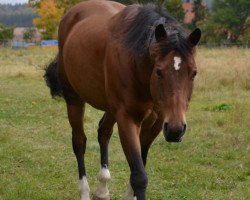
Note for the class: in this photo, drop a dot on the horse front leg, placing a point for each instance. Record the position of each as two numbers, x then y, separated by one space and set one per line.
150 130
104 133
75 115
129 135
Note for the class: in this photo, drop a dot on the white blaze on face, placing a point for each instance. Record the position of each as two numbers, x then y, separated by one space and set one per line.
177 63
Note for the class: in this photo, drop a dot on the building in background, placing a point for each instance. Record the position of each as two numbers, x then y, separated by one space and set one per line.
189 14
188 9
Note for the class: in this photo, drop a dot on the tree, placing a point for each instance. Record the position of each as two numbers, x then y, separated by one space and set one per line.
29 34
200 13
174 7
66 4
50 16
246 37
157 2
34 3
126 2
6 33
231 18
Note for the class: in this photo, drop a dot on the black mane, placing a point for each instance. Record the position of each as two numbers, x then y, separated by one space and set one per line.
140 32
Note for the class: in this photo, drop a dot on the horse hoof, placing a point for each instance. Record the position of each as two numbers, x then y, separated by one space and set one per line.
99 198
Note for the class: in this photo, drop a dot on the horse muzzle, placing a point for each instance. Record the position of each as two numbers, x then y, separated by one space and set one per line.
174 133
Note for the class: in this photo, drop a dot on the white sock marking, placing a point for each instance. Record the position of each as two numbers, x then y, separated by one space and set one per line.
104 175
84 188
177 62
129 194
102 190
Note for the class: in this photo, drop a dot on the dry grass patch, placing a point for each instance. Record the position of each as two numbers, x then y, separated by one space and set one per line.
219 68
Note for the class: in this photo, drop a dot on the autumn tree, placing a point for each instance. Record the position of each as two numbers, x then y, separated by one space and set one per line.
50 16
66 4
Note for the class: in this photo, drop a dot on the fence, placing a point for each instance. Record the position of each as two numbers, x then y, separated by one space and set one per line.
5 43
227 45
14 44
24 44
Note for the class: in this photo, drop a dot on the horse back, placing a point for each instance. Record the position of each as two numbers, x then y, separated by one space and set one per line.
82 39
82 11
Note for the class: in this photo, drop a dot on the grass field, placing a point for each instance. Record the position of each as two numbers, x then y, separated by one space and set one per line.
212 163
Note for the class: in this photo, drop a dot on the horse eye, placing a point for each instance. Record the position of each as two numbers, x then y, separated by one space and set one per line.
194 75
159 73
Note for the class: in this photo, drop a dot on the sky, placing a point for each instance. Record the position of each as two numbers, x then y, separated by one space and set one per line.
13 1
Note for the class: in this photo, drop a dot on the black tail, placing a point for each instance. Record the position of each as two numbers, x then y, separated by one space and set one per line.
52 80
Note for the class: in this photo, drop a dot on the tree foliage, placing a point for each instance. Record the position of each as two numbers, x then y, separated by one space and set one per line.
6 33
50 16
29 34
174 7
229 22
66 4
201 12
126 2
231 16
157 2
50 13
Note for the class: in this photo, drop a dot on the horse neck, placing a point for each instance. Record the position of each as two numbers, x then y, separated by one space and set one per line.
144 68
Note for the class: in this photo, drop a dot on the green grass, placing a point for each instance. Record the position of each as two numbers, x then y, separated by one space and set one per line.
213 161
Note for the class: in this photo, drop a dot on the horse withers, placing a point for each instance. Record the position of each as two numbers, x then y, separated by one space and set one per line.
135 63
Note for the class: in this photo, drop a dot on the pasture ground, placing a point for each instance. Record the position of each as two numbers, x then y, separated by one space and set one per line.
212 163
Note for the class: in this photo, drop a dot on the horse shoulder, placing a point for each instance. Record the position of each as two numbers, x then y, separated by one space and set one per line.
122 87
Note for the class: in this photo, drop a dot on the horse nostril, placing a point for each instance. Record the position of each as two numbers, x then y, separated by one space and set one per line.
184 128
165 127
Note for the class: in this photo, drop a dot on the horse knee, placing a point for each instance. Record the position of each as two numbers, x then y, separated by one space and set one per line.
79 142
139 181
104 135
105 129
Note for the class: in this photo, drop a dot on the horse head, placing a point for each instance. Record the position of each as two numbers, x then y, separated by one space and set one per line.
172 79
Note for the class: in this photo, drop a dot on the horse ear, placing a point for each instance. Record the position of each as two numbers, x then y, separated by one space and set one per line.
195 37
160 33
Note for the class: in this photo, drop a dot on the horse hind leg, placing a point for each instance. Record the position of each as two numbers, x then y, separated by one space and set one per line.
104 133
75 116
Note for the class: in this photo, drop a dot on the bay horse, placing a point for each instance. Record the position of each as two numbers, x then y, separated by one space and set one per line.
136 63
